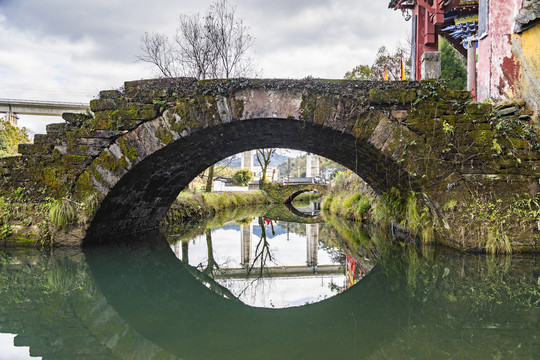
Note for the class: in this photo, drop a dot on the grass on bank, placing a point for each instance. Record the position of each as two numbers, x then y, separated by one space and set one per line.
193 206
483 224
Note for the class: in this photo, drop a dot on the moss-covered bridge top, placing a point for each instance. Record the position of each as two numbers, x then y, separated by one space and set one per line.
144 143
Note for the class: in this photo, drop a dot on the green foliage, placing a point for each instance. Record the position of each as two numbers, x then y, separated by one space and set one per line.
447 128
195 206
413 220
10 138
5 231
497 147
453 68
391 207
159 104
497 242
490 220
62 213
511 127
384 60
348 198
19 194
360 72
5 210
242 177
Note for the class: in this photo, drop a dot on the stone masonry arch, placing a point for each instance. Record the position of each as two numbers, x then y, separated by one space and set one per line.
140 198
143 145
141 173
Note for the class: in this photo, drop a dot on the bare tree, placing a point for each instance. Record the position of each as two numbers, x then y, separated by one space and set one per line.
264 156
229 39
158 50
214 45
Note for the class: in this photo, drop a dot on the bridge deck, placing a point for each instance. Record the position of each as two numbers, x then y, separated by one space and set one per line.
283 271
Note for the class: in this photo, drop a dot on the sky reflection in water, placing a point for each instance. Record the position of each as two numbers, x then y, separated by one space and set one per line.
292 247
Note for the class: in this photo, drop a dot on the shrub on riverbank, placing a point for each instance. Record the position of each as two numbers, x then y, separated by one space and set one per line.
483 225
349 197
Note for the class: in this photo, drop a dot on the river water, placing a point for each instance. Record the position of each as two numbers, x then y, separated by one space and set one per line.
267 283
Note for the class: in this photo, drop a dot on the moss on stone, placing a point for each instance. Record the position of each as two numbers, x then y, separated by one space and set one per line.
164 135
185 108
109 162
127 149
324 109
125 117
391 96
483 138
481 109
238 108
102 104
83 186
308 106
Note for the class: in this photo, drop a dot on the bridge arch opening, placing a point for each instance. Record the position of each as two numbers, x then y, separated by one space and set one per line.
291 198
142 196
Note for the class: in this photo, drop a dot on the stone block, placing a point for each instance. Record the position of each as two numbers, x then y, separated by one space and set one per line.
110 94
107 133
508 111
58 128
97 142
392 96
431 65
509 103
102 104
46 138
76 119
34 149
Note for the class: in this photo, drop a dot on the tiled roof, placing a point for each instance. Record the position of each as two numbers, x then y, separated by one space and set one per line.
393 3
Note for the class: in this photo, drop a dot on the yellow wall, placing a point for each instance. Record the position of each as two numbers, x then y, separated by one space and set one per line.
526 48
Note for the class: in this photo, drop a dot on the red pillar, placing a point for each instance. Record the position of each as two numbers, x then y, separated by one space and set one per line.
426 36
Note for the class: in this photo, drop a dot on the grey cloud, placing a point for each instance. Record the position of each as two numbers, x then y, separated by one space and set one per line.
278 25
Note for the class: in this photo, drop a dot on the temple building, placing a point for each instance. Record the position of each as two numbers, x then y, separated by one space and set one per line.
500 38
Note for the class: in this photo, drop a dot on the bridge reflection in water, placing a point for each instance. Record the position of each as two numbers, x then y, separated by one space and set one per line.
138 301
266 263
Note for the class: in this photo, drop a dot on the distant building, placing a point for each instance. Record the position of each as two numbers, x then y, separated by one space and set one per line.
225 183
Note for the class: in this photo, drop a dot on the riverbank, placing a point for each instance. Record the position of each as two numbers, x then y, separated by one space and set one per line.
193 206
42 221
48 222
485 225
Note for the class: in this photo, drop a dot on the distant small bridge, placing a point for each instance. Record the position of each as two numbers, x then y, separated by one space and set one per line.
285 194
36 107
14 107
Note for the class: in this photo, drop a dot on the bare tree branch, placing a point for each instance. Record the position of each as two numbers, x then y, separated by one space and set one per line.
212 46
264 156
157 50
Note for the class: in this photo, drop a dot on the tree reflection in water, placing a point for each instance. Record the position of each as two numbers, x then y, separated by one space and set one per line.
272 270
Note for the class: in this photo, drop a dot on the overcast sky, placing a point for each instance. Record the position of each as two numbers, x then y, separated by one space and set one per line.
69 50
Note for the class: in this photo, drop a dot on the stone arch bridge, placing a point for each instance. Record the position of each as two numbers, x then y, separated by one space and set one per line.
143 144
285 194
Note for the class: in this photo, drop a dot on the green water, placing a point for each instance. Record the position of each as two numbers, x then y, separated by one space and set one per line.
140 301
